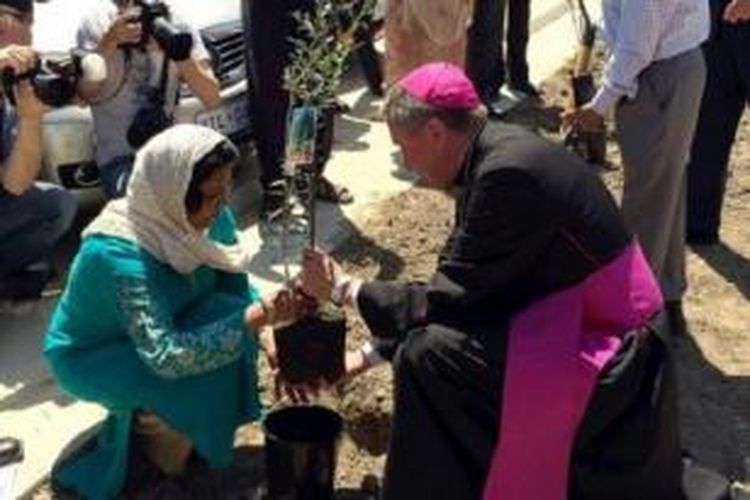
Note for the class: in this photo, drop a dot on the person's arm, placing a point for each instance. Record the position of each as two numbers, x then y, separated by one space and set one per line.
25 161
638 36
737 11
196 70
507 225
200 78
171 351
486 270
122 30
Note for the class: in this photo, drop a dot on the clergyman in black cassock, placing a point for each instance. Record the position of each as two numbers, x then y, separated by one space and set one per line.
531 223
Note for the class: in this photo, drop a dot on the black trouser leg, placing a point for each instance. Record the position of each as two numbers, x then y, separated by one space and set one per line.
485 48
371 67
268 26
445 415
727 90
519 16
370 63
628 444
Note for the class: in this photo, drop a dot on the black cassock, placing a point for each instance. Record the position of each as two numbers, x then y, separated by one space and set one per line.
531 220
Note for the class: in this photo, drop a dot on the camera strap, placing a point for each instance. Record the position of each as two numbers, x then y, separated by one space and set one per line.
161 90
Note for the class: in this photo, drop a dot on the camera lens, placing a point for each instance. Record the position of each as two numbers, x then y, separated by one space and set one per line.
175 43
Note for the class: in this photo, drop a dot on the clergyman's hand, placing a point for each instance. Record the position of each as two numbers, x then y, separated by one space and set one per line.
355 364
737 11
318 274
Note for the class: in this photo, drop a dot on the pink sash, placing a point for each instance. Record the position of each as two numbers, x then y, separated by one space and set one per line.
556 351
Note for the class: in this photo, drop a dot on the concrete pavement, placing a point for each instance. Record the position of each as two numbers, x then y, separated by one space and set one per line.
34 410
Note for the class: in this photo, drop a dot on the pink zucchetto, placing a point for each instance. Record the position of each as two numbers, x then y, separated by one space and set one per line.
441 85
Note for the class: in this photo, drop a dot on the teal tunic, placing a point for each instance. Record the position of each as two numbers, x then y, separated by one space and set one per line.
130 333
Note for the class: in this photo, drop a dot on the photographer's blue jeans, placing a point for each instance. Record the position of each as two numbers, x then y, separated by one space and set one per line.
31 224
115 175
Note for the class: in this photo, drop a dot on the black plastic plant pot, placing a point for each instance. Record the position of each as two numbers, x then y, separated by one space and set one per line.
301 451
312 348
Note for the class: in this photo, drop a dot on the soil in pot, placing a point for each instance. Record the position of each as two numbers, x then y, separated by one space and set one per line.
312 348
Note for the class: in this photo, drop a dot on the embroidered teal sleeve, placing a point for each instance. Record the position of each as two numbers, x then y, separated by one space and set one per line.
170 351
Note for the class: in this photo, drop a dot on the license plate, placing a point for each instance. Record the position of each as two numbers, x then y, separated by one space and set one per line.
229 118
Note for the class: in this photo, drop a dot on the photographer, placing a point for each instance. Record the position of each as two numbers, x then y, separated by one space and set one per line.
143 82
33 215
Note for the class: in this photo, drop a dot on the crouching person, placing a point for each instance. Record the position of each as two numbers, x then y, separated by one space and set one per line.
33 215
158 323
526 368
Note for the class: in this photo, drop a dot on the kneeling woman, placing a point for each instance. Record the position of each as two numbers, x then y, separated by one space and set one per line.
158 322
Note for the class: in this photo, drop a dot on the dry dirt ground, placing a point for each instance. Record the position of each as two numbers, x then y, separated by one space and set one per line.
400 240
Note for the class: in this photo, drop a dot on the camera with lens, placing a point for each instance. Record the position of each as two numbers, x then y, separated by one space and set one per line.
155 20
55 79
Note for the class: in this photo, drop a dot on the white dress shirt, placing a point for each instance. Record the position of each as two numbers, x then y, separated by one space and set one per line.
640 32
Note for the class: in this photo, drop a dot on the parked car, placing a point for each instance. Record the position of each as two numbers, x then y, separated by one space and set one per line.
68 141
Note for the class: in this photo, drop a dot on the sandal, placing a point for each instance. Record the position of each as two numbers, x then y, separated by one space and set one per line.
334 193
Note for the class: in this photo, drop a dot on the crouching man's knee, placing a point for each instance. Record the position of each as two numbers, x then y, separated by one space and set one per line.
425 350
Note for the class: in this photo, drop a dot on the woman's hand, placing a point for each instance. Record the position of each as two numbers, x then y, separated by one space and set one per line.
289 305
283 306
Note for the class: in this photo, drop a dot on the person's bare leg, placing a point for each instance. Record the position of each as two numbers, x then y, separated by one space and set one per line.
168 449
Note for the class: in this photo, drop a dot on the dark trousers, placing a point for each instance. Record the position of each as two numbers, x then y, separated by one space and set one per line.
488 65
31 224
516 67
446 389
484 58
727 54
447 386
268 25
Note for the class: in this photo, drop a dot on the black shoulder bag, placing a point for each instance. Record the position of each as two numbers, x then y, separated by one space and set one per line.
151 119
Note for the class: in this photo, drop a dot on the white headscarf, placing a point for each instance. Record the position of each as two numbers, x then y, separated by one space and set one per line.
153 215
